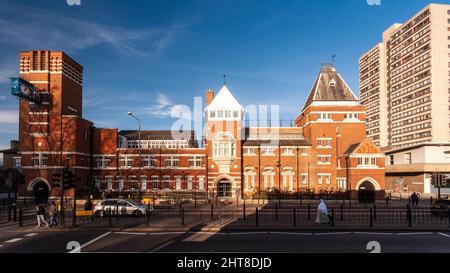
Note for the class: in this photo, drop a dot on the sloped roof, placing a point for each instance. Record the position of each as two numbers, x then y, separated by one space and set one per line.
224 100
330 86
365 146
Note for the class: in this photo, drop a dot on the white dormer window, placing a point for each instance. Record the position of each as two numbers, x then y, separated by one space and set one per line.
220 114
212 114
236 114
332 83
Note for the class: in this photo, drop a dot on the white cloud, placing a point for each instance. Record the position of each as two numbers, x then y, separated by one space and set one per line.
9 117
30 26
165 108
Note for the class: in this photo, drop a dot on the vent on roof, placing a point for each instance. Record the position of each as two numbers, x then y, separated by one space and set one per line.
333 83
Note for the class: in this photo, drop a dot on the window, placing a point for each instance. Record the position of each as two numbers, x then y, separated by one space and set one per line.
195 161
342 183
267 150
178 183
149 161
166 180
220 113
351 116
121 181
224 149
408 158
97 182
227 113
125 161
288 151
109 183
102 161
268 179
304 179
40 160
17 162
235 114
212 114
201 183
144 183
323 143
367 162
391 159
132 182
189 182
324 117
324 159
249 151
332 83
155 181
172 162
288 180
321 178
249 179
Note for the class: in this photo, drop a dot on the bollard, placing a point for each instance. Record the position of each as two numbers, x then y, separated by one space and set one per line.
409 216
448 217
276 212
110 218
20 218
374 212
309 212
294 217
15 214
182 217
212 211
257 216
342 213
371 217
332 217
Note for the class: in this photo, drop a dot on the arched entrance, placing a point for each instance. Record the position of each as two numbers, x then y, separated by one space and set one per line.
224 187
366 192
41 191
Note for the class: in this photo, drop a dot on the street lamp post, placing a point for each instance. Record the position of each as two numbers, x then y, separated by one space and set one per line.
139 152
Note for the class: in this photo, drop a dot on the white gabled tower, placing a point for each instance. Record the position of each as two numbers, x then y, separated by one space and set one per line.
223 143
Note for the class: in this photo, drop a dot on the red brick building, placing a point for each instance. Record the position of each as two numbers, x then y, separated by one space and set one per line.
326 150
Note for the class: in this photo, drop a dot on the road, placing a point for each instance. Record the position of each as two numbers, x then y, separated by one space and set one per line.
32 241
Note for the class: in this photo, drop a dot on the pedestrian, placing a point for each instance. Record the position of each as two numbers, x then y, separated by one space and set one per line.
40 212
52 214
322 213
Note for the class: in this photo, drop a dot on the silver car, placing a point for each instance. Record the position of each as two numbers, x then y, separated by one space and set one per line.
120 207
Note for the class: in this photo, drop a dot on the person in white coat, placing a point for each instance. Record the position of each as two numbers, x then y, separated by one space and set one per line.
322 213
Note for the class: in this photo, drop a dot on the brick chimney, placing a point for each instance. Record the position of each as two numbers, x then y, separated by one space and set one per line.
209 96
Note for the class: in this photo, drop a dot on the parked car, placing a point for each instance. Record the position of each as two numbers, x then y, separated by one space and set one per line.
440 207
121 207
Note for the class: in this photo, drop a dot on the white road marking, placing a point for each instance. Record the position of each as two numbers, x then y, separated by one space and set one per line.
130 233
332 233
207 232
415 233
289 233
373 233
443 234
14 240
165 233
161 246
245 233
90 242
30 234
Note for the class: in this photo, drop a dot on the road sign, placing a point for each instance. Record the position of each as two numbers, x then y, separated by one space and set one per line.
23 89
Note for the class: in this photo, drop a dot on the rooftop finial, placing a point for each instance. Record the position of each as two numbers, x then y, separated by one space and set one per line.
224 76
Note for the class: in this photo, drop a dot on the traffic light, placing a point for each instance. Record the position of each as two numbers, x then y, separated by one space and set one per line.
57 179
69 179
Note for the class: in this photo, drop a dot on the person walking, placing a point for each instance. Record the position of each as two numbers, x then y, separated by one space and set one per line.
40 212
52 214
322 213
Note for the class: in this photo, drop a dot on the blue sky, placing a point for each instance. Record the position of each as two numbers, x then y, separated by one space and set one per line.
150 56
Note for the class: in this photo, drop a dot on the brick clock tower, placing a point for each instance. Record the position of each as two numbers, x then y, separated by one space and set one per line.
223 143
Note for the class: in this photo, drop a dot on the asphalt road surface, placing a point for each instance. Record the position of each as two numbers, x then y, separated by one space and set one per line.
254 241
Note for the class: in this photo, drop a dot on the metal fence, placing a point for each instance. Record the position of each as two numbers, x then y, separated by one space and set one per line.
269 213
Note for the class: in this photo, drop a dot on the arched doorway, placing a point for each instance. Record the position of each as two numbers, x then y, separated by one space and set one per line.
366 192
41 191
224 187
